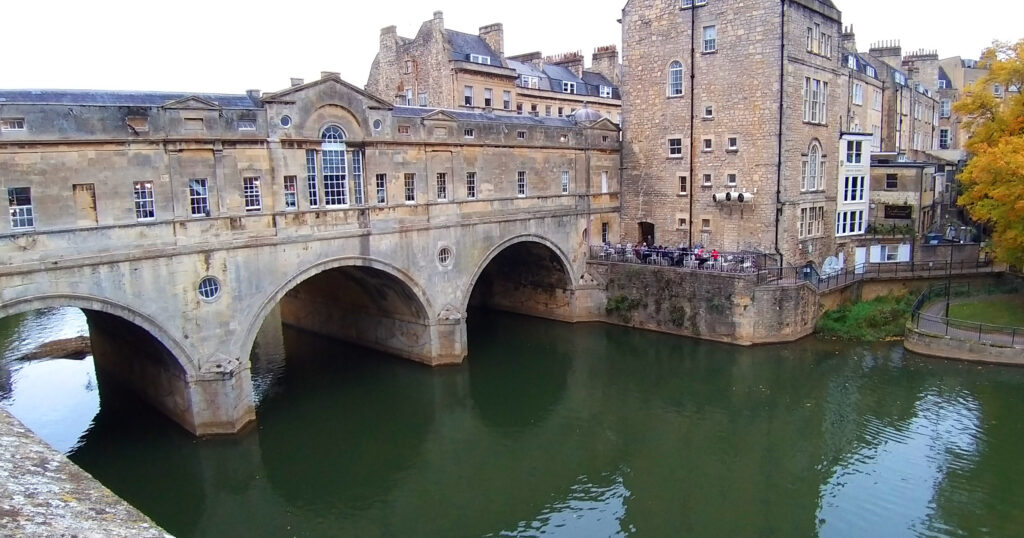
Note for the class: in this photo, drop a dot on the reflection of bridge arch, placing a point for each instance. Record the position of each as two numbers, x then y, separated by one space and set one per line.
516 254
384 290
88 303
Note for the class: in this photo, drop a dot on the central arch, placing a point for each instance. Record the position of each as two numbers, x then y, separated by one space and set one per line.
358 299
527 274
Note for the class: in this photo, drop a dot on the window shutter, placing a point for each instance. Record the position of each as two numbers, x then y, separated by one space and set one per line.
876 254
904 253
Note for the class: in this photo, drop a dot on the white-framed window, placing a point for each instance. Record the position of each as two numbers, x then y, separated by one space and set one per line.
357 177
683 185
811 221
561 112
815 100
311 178
547 110
709 112
675 147
851 62
423 99
382 189
890 253
145 202
198 198
521 183
604 91
291 192
854 151
408 97
730 179
710 39
707 144
442 187
568 87
900 78
858 93
942 84
529 81
19 199
706 180
520 135
813 167
853 188
876 103
892 182
506 97
471 185
675 78
404 130
480 59
944 108
335 166
468 133
943 138
870 71
850 222
488 97
565 181
410 188
12 124
246 125
733 144
251 194
467 96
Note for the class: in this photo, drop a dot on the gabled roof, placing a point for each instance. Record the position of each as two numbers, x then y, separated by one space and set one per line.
192 102
283 95
463 45
120 98
440 115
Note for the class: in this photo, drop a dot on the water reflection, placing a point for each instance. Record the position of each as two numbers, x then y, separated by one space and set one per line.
579 430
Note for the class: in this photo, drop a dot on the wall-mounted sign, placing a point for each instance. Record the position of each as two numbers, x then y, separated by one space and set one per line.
899 212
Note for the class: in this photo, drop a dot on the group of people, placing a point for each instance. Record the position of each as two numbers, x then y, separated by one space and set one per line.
666 254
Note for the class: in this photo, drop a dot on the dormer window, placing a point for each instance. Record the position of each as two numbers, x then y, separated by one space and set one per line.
12 124
568 87
851 62
606 92
529 81
870 71
942 84
480 59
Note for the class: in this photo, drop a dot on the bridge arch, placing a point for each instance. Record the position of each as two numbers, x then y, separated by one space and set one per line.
400 299
529 263
178 350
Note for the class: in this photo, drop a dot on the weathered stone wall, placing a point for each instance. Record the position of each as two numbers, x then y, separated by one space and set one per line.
966 350
702 304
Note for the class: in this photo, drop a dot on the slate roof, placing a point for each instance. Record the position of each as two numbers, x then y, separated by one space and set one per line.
118 98
945 76
465 44
862 64
483 117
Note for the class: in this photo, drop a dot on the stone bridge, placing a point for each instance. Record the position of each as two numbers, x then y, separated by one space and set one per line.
176 302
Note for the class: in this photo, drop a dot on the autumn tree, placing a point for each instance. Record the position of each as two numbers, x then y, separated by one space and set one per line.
993 180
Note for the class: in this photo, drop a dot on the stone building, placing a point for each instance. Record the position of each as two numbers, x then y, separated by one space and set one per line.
910 109
728 101
444 68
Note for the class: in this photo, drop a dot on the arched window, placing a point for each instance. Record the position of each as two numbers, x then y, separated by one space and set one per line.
335 176
813 169
675 78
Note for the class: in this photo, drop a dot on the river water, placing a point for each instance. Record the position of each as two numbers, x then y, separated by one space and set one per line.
551 429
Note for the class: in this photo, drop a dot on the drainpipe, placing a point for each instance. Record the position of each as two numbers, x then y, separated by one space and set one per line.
693 94
778 166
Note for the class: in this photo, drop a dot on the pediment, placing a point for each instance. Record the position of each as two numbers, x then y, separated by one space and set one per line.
604 124
192 102
440 115
293 94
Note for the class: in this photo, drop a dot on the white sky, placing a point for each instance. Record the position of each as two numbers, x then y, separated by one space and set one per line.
230 46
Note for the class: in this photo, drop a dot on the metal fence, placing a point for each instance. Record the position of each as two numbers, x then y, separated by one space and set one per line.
811 275
725 262
928 314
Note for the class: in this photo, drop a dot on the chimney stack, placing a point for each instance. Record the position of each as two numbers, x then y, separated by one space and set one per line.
297 82
573 61
325 74
254 95
494 36
606 61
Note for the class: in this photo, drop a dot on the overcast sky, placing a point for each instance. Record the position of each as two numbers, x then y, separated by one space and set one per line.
222 46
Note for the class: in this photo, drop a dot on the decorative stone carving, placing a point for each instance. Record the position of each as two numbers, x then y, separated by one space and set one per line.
450 313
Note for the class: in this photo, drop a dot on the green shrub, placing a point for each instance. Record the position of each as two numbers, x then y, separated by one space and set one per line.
878 319
622 306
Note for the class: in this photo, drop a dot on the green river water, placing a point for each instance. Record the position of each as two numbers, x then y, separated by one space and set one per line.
552 429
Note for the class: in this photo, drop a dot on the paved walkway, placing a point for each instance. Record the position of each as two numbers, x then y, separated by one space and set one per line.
938 326
43 494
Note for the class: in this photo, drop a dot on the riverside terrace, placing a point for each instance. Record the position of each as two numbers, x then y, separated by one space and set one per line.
704 259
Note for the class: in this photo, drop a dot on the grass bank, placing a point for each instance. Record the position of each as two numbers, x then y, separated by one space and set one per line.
998 310
868 321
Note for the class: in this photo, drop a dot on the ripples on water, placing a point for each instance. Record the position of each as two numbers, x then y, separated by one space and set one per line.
558 430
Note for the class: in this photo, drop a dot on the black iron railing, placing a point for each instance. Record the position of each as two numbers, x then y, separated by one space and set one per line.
706 260
930 308
824 281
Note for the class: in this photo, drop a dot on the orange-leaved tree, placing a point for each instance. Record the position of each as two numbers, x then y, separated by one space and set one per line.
993 180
